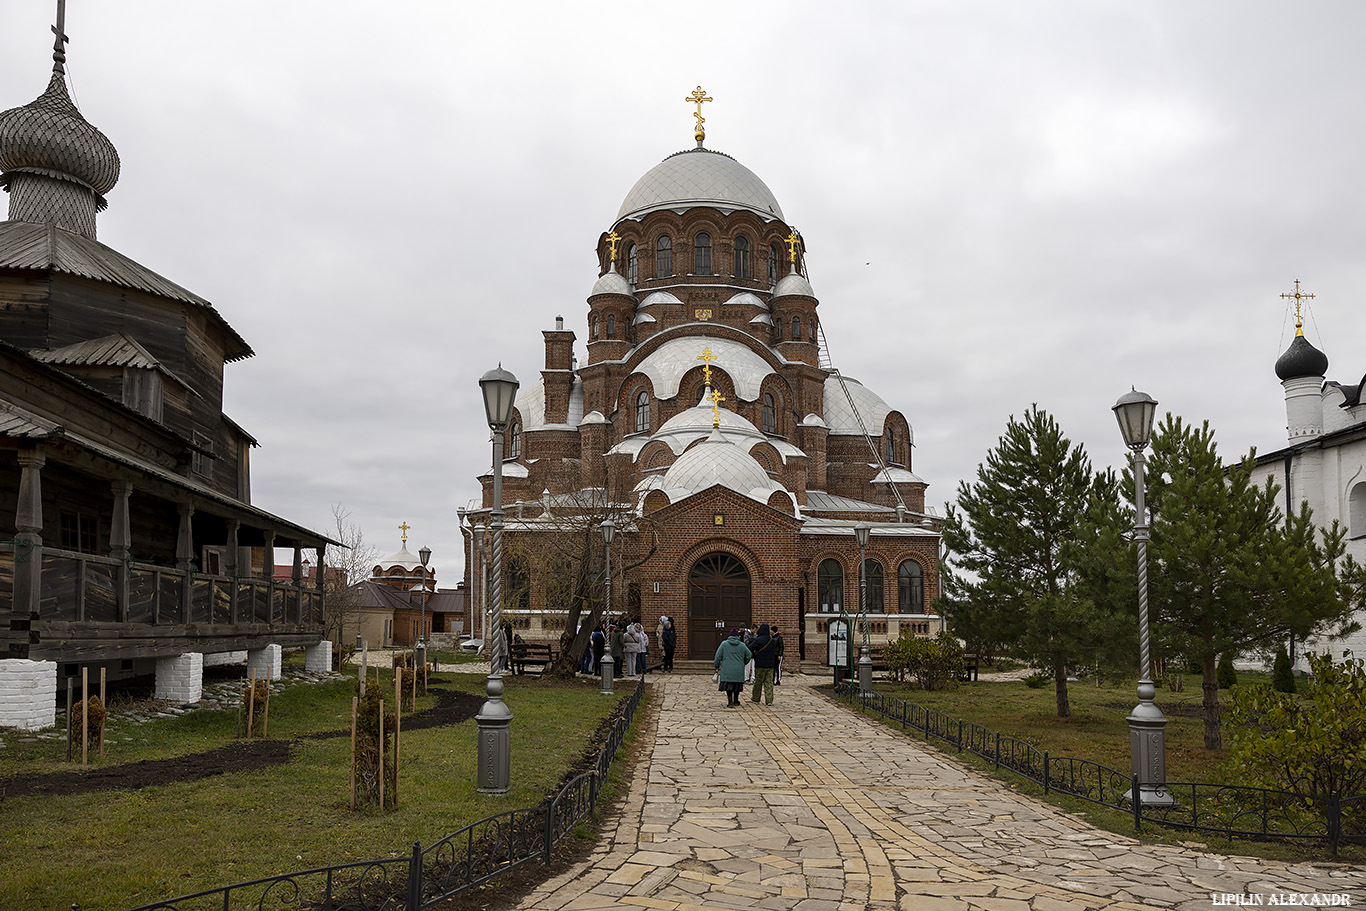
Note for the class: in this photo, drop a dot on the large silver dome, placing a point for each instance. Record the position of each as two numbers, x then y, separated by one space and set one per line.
700 177
50 134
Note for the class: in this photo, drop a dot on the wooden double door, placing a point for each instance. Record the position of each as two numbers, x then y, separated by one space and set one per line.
718 601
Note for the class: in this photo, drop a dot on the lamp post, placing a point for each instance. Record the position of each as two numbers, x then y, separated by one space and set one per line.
425 554
865 661
499 388
608 528
1147 735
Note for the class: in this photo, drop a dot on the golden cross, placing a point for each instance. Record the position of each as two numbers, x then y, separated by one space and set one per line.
716 400
792 241
1297 296
699 96
612 245
706 357
405 527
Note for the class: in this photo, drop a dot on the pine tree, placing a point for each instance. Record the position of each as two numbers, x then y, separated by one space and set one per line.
1230 574
1021 541
1283 673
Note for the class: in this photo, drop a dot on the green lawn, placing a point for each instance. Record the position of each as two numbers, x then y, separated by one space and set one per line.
111 850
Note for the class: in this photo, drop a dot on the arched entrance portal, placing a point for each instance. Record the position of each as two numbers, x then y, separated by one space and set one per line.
718 601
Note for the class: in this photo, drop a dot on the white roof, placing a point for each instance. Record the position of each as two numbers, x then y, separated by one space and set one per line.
700 177
611 282
841 418
659 297
531 404
717 460
666 365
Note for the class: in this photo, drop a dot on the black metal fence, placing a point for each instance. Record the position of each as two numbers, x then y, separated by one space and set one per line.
475 854
1233 811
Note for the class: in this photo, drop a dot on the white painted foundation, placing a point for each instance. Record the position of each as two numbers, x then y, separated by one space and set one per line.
180 678
28 694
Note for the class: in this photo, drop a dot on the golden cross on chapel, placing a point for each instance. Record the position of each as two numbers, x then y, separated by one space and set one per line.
792 241
716 400
612 246
405 528
1297 296
706 357
699 96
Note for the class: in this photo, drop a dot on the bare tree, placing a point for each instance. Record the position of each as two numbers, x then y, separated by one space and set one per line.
347 566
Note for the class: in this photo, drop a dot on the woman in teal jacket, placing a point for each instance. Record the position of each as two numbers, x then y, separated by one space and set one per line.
730 662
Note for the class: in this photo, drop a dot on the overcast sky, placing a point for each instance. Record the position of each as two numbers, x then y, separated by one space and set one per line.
1003 203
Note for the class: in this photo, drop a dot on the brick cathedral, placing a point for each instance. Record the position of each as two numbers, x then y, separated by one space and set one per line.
708 424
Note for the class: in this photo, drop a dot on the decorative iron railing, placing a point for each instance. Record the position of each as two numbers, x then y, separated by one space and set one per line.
1233 811
473 855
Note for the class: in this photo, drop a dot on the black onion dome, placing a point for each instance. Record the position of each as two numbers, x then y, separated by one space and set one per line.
1301 359
50 135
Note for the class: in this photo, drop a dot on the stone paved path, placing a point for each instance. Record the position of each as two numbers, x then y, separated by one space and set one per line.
809 807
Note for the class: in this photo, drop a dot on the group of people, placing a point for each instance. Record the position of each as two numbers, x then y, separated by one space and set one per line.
750 656
629 646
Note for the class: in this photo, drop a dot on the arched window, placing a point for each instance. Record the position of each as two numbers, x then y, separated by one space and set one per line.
770 414
701 254
873 570
811 327
664 256
830 584
515 443
742 268
519 583
611 325
642 411
593 326
1356 511
796 329
773 264
632 267
889 447
910 586
778 328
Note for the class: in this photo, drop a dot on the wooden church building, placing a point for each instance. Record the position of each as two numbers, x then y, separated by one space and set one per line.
127 536
709 425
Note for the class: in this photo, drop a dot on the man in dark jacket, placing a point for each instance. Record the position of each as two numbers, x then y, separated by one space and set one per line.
765 660
669 640
778 668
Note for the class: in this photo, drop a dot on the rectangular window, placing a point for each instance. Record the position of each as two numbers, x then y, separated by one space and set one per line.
79 532
202 460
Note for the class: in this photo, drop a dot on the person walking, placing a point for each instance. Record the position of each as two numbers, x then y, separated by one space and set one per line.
765 660
631 648
644 659
507 645
599 643
617 646
668 640
748 636
778 669
730 661
586 661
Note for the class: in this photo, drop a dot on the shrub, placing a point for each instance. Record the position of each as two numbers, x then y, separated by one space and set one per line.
1314 746
931 664
1037 680
1283 673
1224 674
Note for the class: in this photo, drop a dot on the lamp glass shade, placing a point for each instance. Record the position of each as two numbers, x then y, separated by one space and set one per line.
424 555
609 531
500 394
861 533
1135 411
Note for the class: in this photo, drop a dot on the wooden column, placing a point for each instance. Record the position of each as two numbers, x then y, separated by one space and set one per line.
230 565
298 585
268 574
28 549
184 561
320 583
121 543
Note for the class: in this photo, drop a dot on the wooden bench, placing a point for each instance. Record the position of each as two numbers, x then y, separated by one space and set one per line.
534 654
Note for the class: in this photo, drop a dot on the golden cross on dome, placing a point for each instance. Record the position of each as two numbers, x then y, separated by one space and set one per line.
792 241
612 246
716 400
405 528
699 96
1297 296
706 357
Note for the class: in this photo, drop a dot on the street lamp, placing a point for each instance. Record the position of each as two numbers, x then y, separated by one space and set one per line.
499 388
865 661
608 528
1147 736
425 554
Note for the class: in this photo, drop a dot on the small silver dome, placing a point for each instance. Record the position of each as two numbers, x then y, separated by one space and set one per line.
611 282
793 285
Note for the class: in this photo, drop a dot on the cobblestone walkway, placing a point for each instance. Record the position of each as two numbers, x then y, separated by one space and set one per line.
809 807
